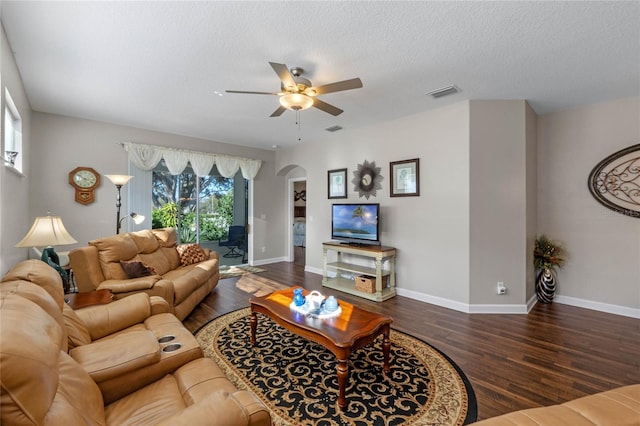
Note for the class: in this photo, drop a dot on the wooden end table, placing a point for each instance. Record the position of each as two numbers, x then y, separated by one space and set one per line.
353 329
88 298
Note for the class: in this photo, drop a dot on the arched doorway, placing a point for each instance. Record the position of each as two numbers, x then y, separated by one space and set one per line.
298 194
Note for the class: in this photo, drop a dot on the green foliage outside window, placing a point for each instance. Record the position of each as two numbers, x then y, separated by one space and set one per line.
213 226
165 217
176 199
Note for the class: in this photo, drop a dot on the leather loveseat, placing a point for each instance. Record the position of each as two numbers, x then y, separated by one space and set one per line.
619 407
43 383
182 279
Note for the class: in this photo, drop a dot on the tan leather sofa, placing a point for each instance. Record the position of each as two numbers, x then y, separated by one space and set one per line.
43 381
98 266
619 407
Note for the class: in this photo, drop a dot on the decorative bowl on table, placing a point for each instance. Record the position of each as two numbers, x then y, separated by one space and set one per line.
315 306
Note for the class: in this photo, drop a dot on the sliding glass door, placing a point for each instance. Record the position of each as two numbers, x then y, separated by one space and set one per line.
201 208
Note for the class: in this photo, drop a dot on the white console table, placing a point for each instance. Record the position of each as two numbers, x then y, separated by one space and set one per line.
379 254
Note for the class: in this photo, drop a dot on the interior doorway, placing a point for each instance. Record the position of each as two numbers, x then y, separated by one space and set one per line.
298 198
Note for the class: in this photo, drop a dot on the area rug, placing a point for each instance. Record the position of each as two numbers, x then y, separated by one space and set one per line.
258 286
227 271
296 379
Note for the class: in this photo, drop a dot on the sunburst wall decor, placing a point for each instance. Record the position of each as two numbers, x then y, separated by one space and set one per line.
366 179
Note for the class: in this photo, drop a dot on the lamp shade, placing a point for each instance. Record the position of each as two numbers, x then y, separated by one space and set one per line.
119 180
47 231
296 101
137 218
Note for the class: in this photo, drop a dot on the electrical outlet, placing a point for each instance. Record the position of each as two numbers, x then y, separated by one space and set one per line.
263 249
501 289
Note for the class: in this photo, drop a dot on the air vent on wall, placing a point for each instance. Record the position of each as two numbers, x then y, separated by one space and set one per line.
444 91
333 128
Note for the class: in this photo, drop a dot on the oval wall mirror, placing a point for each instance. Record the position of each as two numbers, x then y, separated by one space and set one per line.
615 181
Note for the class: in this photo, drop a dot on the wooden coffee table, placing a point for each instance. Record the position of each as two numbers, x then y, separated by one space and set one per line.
353 329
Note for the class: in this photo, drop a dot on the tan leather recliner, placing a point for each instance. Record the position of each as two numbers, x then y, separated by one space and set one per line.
118 344
43 384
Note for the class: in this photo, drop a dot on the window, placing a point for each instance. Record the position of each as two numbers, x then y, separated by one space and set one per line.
200 208
12 134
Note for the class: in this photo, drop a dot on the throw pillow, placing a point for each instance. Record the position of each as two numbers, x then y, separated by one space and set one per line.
137 269
190 254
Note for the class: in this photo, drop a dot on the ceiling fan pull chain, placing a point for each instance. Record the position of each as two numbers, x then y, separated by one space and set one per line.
298 123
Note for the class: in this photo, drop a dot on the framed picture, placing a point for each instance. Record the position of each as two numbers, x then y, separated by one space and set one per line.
405 178
337 183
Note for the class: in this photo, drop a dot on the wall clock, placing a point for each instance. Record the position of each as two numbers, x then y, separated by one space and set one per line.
84 180
366 179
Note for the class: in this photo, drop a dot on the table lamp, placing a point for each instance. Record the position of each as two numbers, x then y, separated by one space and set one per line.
49 231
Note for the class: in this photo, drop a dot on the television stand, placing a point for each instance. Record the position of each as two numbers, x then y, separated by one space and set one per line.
377 254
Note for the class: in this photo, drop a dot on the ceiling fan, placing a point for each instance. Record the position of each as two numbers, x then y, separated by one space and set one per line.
298 94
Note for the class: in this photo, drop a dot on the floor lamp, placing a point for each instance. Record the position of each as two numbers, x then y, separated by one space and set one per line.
119 181
137 218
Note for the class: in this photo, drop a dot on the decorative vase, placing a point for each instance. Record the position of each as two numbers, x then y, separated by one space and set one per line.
331 304
546 286
298 298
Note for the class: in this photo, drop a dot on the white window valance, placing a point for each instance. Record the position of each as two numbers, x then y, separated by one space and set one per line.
146 157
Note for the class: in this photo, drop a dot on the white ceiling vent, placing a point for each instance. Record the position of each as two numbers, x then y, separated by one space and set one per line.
333 128
444 91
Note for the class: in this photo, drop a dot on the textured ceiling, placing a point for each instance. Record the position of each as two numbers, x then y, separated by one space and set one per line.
161 65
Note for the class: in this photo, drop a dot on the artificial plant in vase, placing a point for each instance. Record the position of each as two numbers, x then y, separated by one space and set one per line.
547 256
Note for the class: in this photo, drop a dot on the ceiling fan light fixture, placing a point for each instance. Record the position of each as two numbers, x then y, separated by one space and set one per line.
296 101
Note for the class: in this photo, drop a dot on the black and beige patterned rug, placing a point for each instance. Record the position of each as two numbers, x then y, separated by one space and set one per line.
297 379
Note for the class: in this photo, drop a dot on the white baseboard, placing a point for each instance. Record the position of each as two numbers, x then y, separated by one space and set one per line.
500 309
598 306
318 271
434 300
532 302
268 261
463 307
445 303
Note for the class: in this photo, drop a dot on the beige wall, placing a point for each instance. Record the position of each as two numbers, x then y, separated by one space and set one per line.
493 176
63 143
498 181
15 221
603 271
531 198
431 231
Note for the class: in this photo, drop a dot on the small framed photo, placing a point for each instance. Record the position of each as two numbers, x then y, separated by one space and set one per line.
405 178
337 183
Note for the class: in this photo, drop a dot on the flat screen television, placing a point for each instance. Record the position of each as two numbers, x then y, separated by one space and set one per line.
356 223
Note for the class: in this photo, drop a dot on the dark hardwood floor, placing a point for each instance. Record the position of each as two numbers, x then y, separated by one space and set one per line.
553 354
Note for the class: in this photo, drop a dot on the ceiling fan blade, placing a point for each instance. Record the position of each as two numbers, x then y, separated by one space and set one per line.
252 93
285 76
326 107
354 83
278 112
